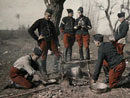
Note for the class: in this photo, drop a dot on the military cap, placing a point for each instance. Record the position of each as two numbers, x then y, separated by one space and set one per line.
122 14
37 51
80 9
69 10
50 11
98 37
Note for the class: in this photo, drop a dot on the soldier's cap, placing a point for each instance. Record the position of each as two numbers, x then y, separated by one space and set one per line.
50 11
37 51
80 9
69 10
98 37
122 14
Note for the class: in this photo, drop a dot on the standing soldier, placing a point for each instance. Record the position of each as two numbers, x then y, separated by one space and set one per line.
82 25
121 33
47 38
67 27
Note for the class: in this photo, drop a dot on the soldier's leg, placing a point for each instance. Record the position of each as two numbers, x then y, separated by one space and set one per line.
86 39
115 75
43 68
18 79
71 43
80 44
66 46
57 55
106 71
120 48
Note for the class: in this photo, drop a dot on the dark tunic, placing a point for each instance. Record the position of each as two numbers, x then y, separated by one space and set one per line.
83 21
45 28
67 25
108 52
122 30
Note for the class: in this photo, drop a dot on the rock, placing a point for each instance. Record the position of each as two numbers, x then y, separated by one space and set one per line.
6 52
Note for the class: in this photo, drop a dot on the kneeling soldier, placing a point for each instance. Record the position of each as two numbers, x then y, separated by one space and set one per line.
25 66
107 51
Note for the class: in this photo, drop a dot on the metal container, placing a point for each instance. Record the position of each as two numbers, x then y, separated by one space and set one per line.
99 87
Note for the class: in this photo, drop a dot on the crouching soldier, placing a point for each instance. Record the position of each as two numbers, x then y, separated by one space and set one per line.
67 28
47 37
107 51
24 69
119 39
82 25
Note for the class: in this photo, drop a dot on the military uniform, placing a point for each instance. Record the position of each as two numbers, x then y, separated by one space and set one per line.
120 36
67 28
107 51
120 40
82 25
25 66
47 39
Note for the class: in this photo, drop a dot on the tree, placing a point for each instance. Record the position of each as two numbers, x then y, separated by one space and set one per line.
57 6
109 11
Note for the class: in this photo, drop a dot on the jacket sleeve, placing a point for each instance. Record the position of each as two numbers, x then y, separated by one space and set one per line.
33 28
98 66
89 26
122 33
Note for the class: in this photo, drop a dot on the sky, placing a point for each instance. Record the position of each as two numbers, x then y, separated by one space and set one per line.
29 11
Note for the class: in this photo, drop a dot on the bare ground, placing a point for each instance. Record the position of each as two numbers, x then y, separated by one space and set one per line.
14 44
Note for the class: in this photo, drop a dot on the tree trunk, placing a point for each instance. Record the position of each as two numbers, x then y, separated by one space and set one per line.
57 7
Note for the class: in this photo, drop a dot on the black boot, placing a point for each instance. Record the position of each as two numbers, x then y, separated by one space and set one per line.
123 81
106 71
81 54
65 54
70 54
87 54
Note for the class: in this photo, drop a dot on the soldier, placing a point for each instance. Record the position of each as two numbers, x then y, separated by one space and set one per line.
25 66
67 28
107 51
47 38
82 25
121 33
119 39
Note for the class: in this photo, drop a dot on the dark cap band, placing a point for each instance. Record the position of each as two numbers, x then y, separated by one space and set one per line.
98 37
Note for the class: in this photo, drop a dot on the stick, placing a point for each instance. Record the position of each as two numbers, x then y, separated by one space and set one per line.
26 93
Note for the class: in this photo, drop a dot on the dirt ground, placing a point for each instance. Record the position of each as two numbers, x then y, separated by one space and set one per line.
14 44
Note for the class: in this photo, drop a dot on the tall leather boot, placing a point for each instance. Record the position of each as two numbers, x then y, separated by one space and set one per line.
65 54
70 54
43 69
81 54
87 54
106 71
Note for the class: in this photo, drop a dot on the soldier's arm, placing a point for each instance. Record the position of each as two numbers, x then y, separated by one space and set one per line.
33 28
122 33
98 65
88 26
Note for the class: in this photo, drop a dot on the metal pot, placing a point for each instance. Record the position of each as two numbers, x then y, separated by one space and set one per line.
74 72
99 87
